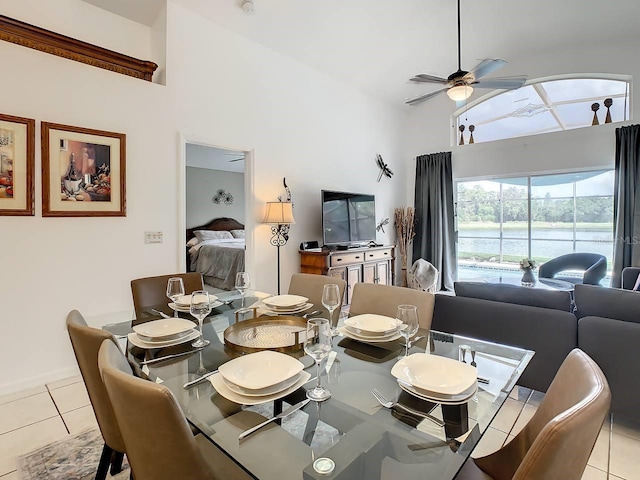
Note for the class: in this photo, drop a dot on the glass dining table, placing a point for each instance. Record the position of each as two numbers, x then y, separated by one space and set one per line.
351 431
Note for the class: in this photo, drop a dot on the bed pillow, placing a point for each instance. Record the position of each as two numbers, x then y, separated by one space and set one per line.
192 242
237 233
203 235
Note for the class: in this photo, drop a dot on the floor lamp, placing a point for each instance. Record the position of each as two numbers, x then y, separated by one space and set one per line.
280 216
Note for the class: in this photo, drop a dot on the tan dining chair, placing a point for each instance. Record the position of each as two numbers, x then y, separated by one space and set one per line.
150 292
86 343
384 300
160 445
311 286
559 438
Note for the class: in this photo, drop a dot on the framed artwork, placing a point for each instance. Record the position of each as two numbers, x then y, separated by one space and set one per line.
17 160
83 172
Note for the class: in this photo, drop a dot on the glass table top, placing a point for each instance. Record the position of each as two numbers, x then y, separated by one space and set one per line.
360 437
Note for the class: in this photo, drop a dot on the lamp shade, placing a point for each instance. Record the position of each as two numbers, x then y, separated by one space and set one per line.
460 92
279 213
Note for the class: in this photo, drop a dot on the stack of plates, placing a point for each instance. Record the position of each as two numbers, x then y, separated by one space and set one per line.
183 303
372 328
437 379
286 304
259 377
163 333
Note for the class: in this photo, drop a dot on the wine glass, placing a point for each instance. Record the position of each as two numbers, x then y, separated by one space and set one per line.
317 345
242 284
331 301
200 308
175 289
408 315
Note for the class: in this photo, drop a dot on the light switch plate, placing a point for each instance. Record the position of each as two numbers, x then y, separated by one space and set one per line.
152 237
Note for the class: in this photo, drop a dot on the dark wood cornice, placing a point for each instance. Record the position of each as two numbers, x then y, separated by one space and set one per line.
30 36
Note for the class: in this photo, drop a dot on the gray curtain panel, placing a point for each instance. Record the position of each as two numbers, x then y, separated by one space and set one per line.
435 239
626 197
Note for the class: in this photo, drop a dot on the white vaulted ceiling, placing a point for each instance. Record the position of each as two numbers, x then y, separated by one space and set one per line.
376 45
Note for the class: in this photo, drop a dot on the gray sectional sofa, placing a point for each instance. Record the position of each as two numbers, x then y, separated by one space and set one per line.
606 325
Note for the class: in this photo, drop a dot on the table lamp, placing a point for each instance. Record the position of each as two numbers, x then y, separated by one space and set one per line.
280 216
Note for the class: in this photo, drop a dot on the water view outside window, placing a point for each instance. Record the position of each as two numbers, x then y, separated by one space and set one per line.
503 220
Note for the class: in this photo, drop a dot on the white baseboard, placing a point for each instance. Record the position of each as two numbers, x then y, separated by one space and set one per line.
36 381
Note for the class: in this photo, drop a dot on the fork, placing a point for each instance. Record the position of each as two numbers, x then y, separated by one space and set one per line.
389 404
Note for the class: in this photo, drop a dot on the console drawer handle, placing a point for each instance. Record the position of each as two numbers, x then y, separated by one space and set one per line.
338 259
358 257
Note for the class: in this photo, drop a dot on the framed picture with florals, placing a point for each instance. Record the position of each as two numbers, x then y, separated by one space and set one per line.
17 160
83 172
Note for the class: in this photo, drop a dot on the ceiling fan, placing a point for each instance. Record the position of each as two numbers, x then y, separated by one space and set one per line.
459 84
235 155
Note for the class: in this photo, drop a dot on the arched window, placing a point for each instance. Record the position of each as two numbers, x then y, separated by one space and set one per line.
545 106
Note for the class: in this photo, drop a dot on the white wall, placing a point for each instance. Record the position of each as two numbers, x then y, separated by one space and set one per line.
303 125
202 186
430 126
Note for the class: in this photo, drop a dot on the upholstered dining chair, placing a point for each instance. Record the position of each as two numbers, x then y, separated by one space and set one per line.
384 300
559 438
311 286
152 291
594 266
160 445
86 343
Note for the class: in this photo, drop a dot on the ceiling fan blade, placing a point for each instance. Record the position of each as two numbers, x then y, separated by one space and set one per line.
422 78
485 67
506 83
422 98
236 159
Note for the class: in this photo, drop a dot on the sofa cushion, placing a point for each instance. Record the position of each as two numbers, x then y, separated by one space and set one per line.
594 301
613 345
533 297
552 334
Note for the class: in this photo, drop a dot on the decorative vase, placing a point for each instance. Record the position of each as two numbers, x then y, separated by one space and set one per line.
528 280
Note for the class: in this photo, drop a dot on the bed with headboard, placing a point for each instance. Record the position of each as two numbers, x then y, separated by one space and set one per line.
216 250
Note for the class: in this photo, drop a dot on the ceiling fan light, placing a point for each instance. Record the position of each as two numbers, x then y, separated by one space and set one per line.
460 92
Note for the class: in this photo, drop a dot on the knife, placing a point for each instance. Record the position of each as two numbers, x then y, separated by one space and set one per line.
288 411
198 380
162 314
168 357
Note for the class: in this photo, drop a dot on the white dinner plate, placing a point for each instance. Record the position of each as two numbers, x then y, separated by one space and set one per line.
220 386
260 370
380 339
163 340
279 301
440 375
300 309
185 300
278 387
163 328
135 340
187 308
445 400
357 333
371 324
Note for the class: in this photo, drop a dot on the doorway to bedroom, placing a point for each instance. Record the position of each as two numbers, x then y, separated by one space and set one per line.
215 209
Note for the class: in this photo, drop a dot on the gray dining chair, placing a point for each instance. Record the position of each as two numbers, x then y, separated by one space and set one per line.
311 286
384 300
86 343
557 442
160 444
150 292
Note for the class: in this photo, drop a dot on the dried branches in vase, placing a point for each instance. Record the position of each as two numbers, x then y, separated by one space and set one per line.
405 231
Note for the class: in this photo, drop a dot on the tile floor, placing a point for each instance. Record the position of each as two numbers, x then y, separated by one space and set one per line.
35 417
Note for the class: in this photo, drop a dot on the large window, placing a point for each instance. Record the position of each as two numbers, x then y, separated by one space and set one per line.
544 107
503 220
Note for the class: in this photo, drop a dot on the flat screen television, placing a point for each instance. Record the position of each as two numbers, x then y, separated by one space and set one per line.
348 218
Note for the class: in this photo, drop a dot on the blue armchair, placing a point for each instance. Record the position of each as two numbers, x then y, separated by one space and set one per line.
593 264
629 277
